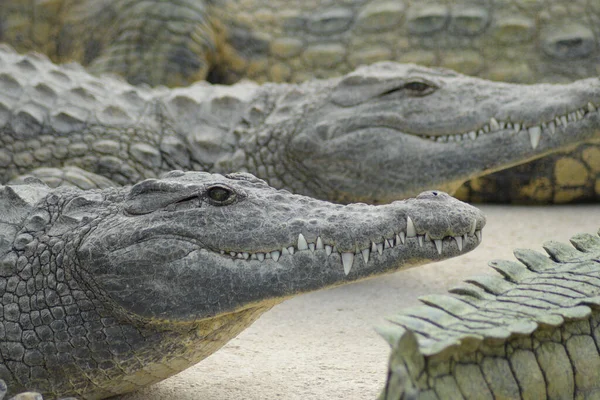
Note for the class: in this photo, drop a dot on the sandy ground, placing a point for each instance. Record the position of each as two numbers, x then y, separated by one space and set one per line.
322 345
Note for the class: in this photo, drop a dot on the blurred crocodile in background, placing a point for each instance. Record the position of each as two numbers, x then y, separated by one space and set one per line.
106 291
177 43
381 133
533 333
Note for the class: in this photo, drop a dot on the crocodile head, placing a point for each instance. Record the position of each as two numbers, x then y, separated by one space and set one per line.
390 130
195 245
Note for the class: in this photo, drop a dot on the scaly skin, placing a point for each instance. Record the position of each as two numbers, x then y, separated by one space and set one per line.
176 43
533 334
382 133
106 291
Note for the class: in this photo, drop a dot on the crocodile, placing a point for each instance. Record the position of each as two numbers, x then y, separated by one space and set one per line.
176 43
381 133
531 333
108 290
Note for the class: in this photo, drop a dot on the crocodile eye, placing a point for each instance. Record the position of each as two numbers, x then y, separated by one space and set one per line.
419 88
220 195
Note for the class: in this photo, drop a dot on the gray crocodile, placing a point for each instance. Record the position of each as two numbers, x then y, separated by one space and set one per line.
106 291
533 333
176 43
381 133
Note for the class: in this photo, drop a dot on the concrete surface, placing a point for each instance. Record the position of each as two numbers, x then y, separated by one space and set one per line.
322 345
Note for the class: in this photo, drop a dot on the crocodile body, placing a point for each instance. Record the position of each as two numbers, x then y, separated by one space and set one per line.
106 291
532 334
381 133
160 42
177 43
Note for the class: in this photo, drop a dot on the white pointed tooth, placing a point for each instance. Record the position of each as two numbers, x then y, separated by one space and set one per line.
465 136
388 243
563 120
347 260
552 127
494 125
284 251
458 242
502 124
328 249
438 245
410 228
591 107
427 237
222 251
268 256
402 237
480 132
473 226
245 255
373 247
534 135
232 253
579 114
253 256
398 240
517 127
465 236
319 243
458 137
473 135
450 138
291 249
486 128
240 256
311 247
302 245
478 234
508 125
420 238
260 256
365 254
571 117
275 255
380 248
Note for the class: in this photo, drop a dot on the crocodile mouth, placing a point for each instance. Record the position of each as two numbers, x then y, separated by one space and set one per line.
401 239
535 131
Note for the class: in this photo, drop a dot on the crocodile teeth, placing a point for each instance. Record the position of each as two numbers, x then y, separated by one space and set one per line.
373 247
302 245
473 227
534 136
517 128
420 238
311 247
319 243
410 228
563 120
347 260
438 245
473 135
328 249
253 256
388 243
552 127
284 251
245 256
260 256
275 255
291 249
232 253
380 248
365 254
591 107
494 125
458 242
478 234
402 237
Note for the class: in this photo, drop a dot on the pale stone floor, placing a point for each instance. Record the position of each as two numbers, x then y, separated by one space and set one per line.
322 345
